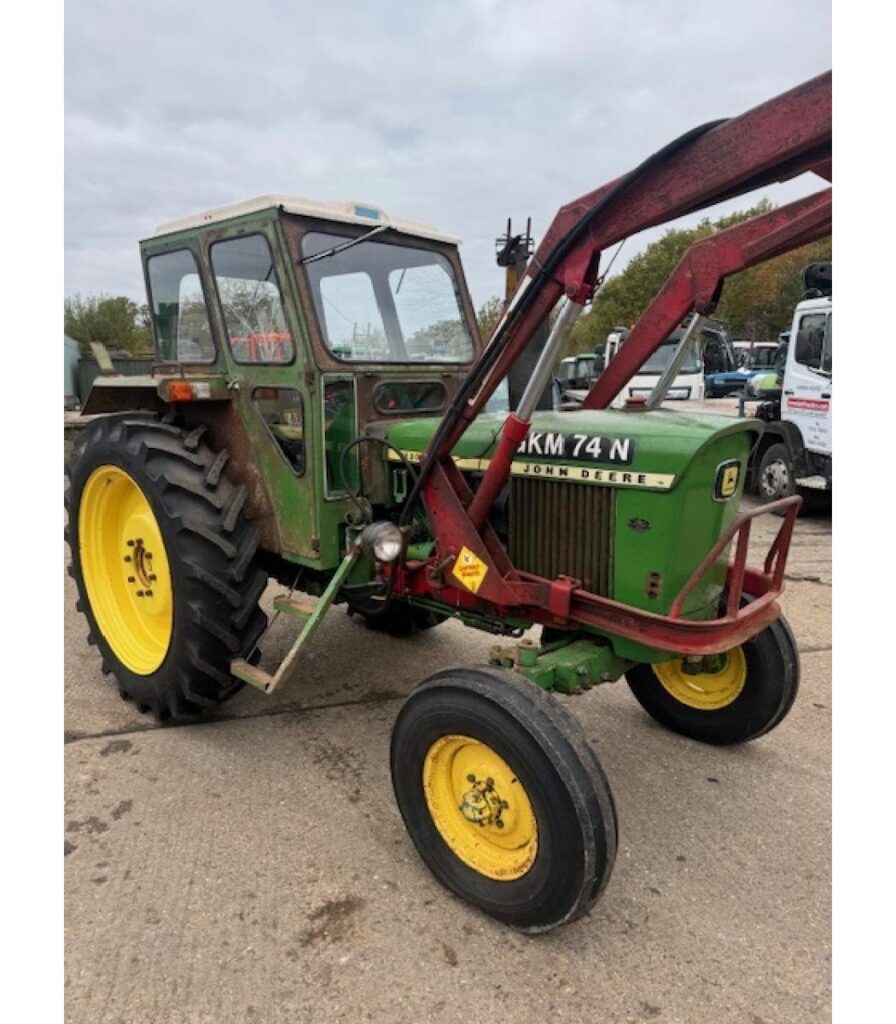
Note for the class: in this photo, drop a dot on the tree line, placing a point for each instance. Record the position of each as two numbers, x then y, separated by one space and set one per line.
114 320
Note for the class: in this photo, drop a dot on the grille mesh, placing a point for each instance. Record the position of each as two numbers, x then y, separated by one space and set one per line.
559 528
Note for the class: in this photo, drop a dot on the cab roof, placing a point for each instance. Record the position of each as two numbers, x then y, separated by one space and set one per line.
348 212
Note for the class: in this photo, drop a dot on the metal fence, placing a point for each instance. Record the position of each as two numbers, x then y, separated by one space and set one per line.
131 366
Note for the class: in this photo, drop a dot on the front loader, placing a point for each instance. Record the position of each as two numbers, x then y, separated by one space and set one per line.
318 415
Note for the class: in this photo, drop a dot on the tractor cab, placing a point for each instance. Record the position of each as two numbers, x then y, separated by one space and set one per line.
299 323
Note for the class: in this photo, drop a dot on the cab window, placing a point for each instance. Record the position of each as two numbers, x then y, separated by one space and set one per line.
379 302
180 317
394 397
813 343
251 301
282 412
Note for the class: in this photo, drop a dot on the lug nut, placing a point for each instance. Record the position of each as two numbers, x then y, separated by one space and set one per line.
139 593
131 579
127 558
130 543
152 577
149 593
471 778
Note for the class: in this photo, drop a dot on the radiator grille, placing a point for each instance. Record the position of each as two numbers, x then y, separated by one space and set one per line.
559 528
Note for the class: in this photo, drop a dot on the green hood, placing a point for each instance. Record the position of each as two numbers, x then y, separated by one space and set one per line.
649 450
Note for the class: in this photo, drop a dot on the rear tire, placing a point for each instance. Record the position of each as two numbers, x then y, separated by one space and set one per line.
472 745
726 707
206 579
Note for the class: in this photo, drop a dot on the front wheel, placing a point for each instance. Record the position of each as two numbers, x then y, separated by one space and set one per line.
775 477
503 797
747 693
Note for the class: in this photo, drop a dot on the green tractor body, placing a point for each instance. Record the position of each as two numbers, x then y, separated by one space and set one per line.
267 351
307 355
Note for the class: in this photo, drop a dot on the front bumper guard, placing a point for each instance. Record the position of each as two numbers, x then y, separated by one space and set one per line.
711 636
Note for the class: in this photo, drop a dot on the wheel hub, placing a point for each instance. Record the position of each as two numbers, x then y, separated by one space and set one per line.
481 803
139 567
480 807
775 478
125 569
717 686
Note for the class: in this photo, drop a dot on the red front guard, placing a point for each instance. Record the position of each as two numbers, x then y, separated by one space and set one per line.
561 603
710 636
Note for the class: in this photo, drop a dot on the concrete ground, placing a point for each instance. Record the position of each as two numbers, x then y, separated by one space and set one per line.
252 866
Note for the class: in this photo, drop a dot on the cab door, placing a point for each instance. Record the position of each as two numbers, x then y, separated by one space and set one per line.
807 393
266 362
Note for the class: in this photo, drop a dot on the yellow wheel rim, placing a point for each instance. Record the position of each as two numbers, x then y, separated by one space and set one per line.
480 807
705 691
125 569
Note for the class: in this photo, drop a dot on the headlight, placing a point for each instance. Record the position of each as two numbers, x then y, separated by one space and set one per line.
382 542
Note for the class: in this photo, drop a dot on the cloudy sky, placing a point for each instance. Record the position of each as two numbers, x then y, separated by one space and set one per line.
456 112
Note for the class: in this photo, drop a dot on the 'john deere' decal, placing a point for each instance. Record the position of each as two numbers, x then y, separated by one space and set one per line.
584 474
613 451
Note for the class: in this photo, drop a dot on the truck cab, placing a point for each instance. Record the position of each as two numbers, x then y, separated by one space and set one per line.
796 451
688 383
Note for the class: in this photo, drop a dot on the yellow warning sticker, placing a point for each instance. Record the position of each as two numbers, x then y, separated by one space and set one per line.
469 569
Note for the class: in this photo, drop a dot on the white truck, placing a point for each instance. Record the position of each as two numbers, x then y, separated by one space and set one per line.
689 382
794 453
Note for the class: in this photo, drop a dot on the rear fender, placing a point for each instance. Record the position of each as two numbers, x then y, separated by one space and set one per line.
216 413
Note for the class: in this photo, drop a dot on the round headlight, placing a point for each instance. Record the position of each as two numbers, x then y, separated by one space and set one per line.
382 541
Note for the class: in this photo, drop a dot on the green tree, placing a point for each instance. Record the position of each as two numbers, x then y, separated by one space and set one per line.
757 303
488 315
116 321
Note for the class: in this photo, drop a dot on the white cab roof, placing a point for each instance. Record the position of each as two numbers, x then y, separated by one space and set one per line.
348 212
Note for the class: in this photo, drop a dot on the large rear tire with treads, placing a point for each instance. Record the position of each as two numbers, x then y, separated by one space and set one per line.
164 561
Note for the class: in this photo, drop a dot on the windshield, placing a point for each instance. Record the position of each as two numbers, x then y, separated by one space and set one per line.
386 303
663 356
760 359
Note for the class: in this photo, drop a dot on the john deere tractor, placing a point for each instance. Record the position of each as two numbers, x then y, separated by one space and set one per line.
318 415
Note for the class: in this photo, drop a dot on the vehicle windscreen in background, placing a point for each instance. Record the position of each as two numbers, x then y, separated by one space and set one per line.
663 356
381 303
760 358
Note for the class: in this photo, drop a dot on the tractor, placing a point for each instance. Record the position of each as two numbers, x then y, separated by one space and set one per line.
318 415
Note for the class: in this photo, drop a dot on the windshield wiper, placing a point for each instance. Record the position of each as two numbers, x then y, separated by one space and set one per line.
345 245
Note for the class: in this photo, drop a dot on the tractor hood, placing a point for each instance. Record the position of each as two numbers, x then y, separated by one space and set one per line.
645 450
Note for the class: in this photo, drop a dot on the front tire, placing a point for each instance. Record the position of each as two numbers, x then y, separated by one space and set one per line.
749 695
503 797
164 562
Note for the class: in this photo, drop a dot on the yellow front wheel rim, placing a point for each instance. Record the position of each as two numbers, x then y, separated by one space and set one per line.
705 691
480 807
125 569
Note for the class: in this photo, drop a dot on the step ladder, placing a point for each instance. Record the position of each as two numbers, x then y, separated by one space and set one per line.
310 614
